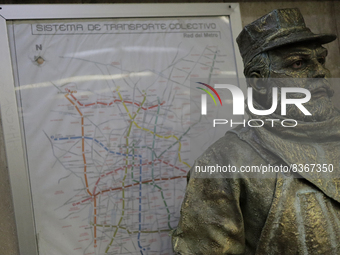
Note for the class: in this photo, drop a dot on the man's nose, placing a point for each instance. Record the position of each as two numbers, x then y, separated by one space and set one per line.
318 70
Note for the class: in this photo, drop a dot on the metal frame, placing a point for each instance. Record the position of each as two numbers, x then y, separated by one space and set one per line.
16 157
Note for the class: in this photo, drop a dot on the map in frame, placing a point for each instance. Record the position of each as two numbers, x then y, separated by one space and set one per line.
106 120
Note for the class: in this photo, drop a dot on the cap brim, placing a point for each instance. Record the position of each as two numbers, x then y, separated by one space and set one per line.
287 40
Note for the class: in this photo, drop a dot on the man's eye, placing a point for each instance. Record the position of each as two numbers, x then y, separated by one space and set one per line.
297 64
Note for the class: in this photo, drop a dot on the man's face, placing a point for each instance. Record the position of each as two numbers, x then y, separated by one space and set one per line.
303 66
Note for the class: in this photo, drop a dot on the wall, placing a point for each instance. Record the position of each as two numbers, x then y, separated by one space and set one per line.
320 16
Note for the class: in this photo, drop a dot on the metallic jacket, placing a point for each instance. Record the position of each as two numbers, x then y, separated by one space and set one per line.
262 214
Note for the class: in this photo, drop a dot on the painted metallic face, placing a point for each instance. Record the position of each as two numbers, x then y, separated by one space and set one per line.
299 61
303 66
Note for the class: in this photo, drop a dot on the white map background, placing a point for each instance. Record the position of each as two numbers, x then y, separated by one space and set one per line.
106 120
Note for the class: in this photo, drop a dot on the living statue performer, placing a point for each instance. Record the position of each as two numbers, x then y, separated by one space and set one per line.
294 212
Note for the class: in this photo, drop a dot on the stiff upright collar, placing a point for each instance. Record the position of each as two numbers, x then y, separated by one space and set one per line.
308 144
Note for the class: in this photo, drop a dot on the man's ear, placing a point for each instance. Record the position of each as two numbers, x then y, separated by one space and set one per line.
257 82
